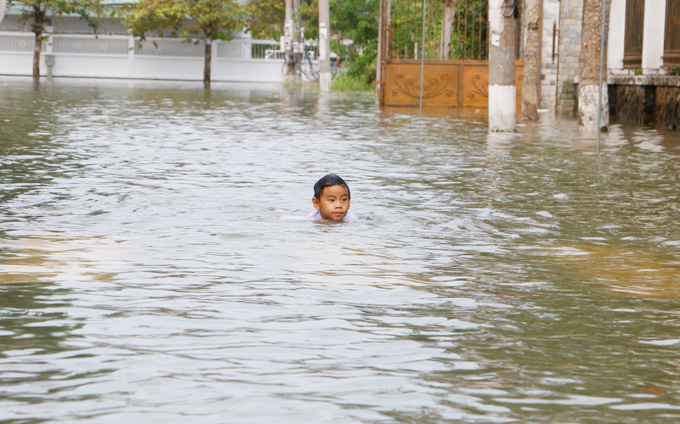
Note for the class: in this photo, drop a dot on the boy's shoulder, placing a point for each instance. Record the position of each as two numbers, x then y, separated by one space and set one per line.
350 217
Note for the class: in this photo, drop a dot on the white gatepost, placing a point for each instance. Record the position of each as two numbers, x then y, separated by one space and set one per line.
502 86
615 39
653 36
48 53
131 56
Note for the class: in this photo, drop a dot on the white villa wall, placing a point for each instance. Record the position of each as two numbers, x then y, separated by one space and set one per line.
653 37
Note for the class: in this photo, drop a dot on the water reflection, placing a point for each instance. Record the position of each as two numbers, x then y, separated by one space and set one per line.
150 271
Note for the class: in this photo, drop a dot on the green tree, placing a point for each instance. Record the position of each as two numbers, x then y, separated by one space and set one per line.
265 18
191 20
39 14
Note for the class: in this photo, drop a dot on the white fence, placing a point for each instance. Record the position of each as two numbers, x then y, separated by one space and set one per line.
87 56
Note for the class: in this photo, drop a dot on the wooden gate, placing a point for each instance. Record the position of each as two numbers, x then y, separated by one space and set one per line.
455 72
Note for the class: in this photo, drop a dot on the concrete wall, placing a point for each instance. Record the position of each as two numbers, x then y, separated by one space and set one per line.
648 100
120 56
113 53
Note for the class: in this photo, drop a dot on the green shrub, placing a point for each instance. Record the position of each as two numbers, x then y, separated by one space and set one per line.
350 83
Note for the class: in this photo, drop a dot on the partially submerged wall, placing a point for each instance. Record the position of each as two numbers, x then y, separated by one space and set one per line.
652 100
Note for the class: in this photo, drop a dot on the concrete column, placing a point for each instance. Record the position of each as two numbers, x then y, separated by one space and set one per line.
532 52
131 55
502 88
324 47
589 72
383 43
289 39
48 54
653 36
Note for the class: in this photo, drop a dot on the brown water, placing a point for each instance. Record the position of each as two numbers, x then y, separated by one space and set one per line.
154 267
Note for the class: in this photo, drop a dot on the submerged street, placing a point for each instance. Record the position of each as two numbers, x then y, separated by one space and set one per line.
156 266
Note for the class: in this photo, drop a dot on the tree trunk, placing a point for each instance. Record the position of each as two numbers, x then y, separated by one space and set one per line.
207 63
589 74
531 62
502 89
36 56
447 28
38 28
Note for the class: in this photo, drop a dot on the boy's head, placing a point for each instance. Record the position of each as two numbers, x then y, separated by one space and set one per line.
331 197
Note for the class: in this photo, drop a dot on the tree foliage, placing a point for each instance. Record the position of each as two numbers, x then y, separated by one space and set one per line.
189 19
265 18
39 13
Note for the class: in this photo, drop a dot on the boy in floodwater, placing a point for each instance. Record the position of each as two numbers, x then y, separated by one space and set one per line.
331 200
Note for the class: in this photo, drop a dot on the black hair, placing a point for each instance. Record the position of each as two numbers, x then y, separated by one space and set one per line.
327 181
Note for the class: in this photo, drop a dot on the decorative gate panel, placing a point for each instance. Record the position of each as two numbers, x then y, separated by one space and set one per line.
463 84
440 87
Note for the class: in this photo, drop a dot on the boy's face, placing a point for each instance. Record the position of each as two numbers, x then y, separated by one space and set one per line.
334 202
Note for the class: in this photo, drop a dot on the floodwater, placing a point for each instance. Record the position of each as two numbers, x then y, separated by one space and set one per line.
155 267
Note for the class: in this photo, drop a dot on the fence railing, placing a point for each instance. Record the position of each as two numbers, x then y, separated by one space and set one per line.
126 45
88 45
452 30
19 42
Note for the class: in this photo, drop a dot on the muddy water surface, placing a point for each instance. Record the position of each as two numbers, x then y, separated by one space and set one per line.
154 266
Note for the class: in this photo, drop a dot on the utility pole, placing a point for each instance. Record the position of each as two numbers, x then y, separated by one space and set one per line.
291 44
324 47
2 9
532 74
592 78
502 88
383 50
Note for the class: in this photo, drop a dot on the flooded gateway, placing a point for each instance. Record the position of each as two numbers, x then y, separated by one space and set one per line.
150 273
